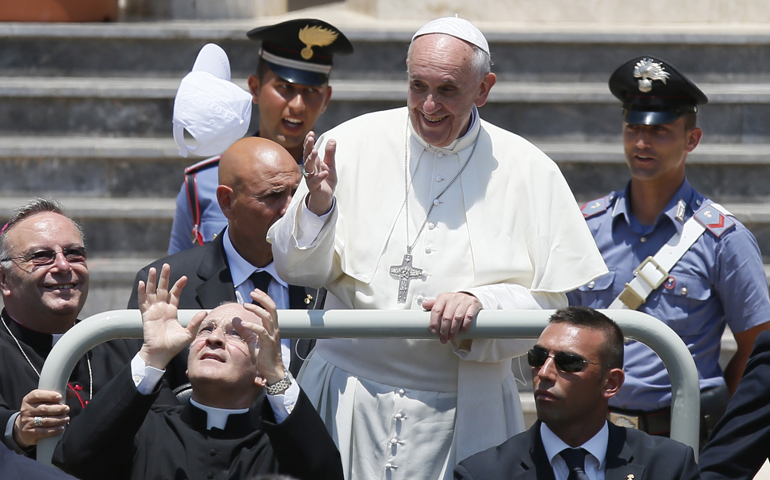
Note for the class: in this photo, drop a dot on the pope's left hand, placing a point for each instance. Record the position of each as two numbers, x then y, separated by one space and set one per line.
451 313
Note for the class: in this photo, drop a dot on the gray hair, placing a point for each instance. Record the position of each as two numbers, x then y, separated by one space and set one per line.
481 63
38 205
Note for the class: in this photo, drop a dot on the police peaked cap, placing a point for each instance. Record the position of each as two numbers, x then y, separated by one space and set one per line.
301 51
653 92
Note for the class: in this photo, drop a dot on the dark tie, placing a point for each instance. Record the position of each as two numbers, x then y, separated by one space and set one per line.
261 280
575 460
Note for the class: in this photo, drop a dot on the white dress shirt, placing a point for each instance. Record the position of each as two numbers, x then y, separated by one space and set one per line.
596 448
241 270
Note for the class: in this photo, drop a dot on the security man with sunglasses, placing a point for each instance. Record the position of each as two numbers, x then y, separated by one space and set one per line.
44 284
577 366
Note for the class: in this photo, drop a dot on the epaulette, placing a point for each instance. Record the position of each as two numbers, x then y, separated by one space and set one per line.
597 206
203 165
715 218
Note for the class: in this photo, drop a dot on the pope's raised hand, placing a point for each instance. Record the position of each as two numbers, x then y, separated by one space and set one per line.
320 174
164 337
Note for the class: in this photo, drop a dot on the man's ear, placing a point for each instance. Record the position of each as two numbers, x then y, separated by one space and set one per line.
693 139
487 83
225 197
613 381
4 287
254 85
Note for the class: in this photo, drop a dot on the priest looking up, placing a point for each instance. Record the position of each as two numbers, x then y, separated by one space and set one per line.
228 429
428 207
44 282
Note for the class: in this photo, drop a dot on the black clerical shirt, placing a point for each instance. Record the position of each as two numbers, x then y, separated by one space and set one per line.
18 378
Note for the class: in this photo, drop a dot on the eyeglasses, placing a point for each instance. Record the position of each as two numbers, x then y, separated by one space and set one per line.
566 362
48 256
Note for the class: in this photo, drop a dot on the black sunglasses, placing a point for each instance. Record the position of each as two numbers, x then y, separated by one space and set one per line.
48 257
566 362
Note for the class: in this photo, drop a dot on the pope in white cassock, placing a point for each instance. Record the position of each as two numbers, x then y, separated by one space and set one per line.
434 209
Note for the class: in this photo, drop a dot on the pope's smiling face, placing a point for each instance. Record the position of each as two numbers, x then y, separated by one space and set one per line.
44 296
444 86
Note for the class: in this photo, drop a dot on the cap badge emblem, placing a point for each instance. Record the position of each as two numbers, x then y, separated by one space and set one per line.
315 36
647 71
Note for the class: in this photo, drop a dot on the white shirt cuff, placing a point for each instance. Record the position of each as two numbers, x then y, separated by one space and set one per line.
283 404
145 378
309 224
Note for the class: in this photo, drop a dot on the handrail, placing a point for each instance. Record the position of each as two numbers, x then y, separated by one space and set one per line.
685 402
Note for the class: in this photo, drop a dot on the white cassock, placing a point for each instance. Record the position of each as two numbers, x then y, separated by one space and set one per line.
508 231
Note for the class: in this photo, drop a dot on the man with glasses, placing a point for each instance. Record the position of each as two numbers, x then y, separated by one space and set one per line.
44 283
577 366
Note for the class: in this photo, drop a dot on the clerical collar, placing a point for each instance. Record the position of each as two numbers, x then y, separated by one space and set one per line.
217 417
596 446
459 144
240 268
33 338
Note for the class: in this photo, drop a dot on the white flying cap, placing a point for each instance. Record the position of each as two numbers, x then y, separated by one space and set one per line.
215 111
456 27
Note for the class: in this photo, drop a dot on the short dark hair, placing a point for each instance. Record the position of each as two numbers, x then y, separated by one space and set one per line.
690 121
35 206
586 317
262 69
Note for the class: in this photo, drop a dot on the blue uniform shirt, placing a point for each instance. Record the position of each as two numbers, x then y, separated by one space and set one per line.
719 281
213 220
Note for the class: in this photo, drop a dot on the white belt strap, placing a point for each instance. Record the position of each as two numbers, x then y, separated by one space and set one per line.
653 271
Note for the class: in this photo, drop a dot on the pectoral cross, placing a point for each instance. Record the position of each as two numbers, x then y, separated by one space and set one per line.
405 273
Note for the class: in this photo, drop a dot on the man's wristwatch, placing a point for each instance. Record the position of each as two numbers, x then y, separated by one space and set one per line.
281 385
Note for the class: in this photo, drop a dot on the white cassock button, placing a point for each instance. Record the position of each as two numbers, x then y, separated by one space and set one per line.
428 250
419 299
591 284
436 202
431 226
394 441
398 416
401 391
439 178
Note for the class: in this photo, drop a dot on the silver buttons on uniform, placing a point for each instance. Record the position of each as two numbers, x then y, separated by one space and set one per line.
684 290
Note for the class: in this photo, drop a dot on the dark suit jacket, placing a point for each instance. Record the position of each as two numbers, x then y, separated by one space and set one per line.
209 284
13 465
119 437
523 457
740 442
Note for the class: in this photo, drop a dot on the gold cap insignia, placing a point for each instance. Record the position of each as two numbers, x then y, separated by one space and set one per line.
647 71
315 36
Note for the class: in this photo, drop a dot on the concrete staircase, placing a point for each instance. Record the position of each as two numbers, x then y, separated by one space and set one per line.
85 115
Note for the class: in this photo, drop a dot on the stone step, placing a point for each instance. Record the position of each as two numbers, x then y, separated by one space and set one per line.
555 111
140 167
733 53
140 227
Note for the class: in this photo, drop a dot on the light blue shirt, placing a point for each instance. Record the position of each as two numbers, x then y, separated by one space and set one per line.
719 281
